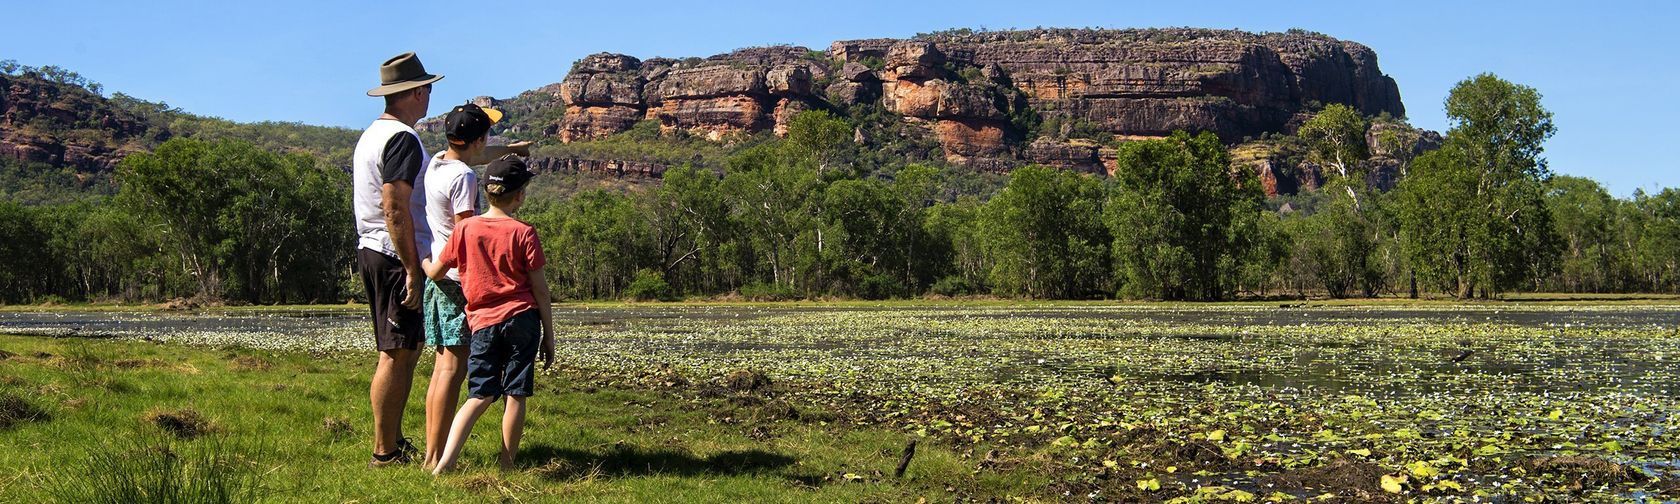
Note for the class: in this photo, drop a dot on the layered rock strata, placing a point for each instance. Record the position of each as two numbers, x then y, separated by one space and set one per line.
980 94
29 111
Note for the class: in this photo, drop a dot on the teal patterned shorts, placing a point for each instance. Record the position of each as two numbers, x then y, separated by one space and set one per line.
446 314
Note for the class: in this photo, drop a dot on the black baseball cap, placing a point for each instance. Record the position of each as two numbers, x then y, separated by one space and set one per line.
506 174
469 122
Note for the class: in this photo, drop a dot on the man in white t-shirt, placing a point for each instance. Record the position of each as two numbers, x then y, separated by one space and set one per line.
388 177
451 196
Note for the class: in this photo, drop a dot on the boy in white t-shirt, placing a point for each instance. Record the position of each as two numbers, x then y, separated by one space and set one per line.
451 196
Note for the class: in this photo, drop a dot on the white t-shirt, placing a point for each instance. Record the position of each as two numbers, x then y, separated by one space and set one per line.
451 188
387 138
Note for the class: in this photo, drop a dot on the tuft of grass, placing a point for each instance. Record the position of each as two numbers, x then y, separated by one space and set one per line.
79 357
156 471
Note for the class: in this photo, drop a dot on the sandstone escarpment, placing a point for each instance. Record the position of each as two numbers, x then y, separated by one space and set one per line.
609 167
983 95
1152 82
745 91
63 125
1283 168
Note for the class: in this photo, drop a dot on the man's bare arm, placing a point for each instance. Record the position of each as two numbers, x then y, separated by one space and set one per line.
400 224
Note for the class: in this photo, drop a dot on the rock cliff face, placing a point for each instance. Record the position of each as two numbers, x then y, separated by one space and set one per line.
980 94
745 91
63 125
1283 168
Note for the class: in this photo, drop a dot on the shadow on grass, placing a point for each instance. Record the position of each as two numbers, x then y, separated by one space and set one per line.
623 460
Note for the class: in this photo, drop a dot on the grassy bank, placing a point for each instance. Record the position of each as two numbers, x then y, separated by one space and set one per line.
88 419
1519 299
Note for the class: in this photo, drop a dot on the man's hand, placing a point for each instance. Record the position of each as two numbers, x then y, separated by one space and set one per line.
416 287
548 348
522 148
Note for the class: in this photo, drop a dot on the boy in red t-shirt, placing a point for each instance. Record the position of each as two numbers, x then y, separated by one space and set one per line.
500 261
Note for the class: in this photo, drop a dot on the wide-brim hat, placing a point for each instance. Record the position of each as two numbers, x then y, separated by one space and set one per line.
402 73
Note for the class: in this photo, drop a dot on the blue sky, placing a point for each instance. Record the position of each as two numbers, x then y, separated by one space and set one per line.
1606 69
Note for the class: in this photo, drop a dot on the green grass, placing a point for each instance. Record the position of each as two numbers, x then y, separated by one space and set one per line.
119 421
1525 298
1514 401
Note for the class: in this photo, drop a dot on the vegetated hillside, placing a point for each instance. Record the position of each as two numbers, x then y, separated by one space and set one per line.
991 101
60 135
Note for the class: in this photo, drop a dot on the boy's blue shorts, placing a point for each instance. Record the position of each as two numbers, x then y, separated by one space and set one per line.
445 314
504 357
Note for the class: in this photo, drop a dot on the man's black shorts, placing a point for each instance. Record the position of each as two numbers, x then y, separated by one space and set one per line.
394 325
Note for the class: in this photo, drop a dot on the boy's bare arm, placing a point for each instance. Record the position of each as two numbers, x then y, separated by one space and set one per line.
490 153
435 269
545 308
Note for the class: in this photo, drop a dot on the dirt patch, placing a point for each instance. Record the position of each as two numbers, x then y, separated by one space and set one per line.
183 424
41 355
1358 480
4 355
137 363
337 428
746 379
508 489
1580 470
560 469
15 410
251 363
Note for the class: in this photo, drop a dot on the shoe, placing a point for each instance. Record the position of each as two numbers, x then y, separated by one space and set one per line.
390 459
404 455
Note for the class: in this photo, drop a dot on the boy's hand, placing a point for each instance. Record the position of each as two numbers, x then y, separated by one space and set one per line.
522 148
548 348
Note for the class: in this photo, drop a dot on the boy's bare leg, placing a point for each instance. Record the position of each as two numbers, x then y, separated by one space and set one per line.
388 394
463 425
513 426
442 395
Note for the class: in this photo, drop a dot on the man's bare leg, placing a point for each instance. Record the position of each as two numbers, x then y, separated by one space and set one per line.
392 379
442 395
513 426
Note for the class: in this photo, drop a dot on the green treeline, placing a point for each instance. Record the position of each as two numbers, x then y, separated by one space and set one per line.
220 220
801 218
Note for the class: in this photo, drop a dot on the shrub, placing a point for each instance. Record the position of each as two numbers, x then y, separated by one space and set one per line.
768 292
650 285
878 286
953 286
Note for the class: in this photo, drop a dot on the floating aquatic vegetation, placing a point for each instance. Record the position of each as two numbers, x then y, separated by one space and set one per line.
1199 403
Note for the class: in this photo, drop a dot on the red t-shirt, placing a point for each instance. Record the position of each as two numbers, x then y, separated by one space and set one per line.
496 257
